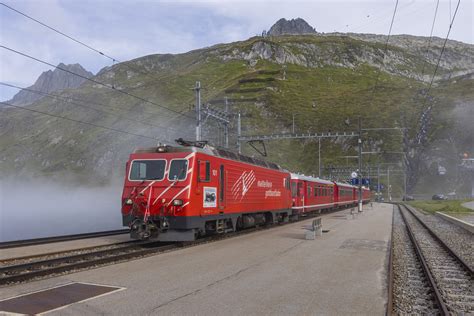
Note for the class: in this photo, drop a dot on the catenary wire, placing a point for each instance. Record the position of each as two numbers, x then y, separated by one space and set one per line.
442 50
79 121
66 99
114 60
59 32
430 39
384 53
94 81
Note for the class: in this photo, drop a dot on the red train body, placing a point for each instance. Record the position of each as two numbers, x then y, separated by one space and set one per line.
311 194
180 193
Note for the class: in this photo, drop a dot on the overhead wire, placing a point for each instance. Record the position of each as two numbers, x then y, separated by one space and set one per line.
67 100
376 18
114 60
425 110
443 48
384 53
94 81
59 32
78 121
430 39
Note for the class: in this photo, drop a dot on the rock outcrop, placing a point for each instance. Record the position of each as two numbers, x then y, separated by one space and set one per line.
291 27
52 81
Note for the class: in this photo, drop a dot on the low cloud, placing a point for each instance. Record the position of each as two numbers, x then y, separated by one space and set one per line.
43 208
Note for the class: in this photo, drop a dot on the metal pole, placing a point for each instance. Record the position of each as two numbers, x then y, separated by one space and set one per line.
239 132
388 185
359 142
197 88
293 129
226 125
404 182
319 157
378 180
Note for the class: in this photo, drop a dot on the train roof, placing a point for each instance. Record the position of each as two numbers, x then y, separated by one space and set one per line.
309 178
209 150
345 184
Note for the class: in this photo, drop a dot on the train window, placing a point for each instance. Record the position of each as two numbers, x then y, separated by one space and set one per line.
315 191
308 191
147 170
293 189
300 189
178 169
204 171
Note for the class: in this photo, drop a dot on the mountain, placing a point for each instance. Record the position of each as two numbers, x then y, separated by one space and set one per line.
52 81
291 27
319 81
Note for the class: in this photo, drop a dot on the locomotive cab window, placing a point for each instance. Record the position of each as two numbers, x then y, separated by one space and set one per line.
204 171
147 170
178 169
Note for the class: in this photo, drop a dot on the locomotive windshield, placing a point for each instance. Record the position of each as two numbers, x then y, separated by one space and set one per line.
178 169
148 170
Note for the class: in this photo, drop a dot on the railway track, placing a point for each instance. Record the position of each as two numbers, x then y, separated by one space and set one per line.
33 267
47 240
426 275
28 268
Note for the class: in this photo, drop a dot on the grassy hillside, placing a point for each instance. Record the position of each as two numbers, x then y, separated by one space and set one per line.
321 80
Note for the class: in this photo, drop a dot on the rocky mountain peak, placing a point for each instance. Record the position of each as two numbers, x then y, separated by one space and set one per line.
291 27
52 81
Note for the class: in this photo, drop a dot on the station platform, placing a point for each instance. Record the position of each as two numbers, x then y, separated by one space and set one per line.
33 250
275 271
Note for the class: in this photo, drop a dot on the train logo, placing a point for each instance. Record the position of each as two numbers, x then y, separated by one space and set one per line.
243 184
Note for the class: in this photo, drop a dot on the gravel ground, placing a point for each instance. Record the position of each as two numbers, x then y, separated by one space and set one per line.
412 293
457 238
454 282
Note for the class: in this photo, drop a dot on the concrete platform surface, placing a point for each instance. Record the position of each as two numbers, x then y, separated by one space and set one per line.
61 246
271 272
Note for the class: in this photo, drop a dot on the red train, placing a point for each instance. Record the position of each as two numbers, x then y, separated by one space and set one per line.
181 193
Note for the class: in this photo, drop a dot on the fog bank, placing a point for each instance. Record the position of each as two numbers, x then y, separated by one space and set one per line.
41 208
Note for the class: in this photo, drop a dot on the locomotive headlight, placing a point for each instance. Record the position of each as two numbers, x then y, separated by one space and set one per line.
128 202
177 202
162 149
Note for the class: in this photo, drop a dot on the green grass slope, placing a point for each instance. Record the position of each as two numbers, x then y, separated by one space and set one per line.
320 80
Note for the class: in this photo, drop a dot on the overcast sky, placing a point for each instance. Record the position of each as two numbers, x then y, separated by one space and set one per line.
128 29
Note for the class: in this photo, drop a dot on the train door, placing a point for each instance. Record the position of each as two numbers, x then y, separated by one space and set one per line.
207 188
222 187
297 193
301 193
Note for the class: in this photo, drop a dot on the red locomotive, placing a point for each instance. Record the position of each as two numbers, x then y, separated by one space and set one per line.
181 193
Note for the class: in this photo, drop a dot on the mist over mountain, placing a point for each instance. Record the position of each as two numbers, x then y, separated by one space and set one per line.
52 81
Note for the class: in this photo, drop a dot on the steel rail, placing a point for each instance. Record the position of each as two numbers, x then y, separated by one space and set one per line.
47 240
6 261
442 243
58 260
75 262
389 310
426 269
103 258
